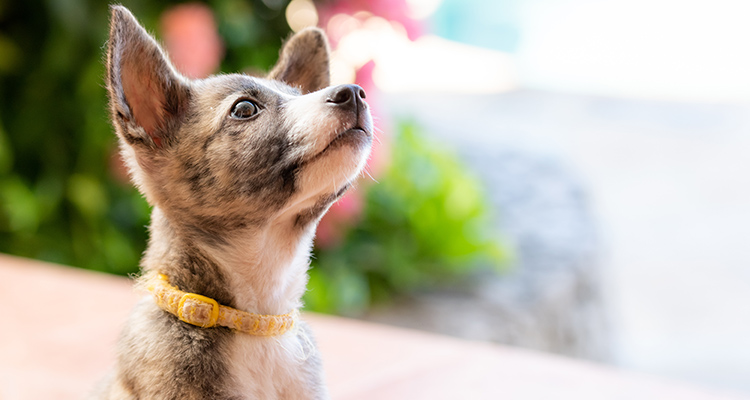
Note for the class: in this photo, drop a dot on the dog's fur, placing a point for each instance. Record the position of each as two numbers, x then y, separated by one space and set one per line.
235 206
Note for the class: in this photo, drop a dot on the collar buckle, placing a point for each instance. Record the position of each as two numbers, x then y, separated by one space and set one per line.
192 309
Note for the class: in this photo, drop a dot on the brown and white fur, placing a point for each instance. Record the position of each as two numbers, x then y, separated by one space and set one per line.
235 205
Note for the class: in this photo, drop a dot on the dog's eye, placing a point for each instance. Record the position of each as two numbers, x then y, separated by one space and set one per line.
244 109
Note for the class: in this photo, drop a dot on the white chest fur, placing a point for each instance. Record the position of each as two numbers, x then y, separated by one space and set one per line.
283 367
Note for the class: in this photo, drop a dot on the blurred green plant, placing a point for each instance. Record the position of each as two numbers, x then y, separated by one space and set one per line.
58 198
63 197
425 224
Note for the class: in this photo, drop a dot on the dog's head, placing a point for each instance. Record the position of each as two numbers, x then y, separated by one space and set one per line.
233 150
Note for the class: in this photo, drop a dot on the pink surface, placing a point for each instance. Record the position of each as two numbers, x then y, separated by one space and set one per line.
59 326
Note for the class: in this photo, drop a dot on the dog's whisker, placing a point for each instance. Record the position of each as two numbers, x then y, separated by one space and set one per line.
366 171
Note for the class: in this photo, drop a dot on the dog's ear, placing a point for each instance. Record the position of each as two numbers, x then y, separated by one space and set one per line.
146 93
304 61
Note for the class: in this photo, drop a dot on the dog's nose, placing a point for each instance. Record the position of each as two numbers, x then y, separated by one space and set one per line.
346 96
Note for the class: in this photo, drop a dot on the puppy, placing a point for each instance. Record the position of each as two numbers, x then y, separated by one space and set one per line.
239 170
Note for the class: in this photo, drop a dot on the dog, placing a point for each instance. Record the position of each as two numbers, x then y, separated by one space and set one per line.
238 170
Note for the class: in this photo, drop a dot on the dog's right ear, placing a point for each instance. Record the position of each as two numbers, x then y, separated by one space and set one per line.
304 61
146 93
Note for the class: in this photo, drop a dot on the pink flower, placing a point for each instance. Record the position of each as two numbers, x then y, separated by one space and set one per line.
191 39
392 10
346 212
379 155
335 223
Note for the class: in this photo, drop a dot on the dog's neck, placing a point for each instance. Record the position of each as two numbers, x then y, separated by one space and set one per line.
263 268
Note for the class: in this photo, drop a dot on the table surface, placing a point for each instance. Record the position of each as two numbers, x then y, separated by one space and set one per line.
60 325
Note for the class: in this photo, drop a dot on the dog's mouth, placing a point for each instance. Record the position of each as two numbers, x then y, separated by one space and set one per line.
355 135
356 131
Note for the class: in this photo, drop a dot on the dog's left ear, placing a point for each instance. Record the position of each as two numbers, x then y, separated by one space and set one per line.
146 93
304 61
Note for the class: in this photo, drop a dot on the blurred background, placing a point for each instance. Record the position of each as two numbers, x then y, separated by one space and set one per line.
570 176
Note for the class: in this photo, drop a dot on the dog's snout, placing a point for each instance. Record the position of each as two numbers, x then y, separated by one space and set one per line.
348 96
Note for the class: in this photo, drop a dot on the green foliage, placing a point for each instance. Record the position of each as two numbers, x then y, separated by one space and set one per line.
425 224
59 200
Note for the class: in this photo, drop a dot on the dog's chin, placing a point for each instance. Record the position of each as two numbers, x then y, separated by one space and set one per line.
339 162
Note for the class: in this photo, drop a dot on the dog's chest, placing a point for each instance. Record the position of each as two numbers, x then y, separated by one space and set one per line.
270 368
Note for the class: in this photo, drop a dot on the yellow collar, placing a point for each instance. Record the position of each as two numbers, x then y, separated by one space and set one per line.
206 312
